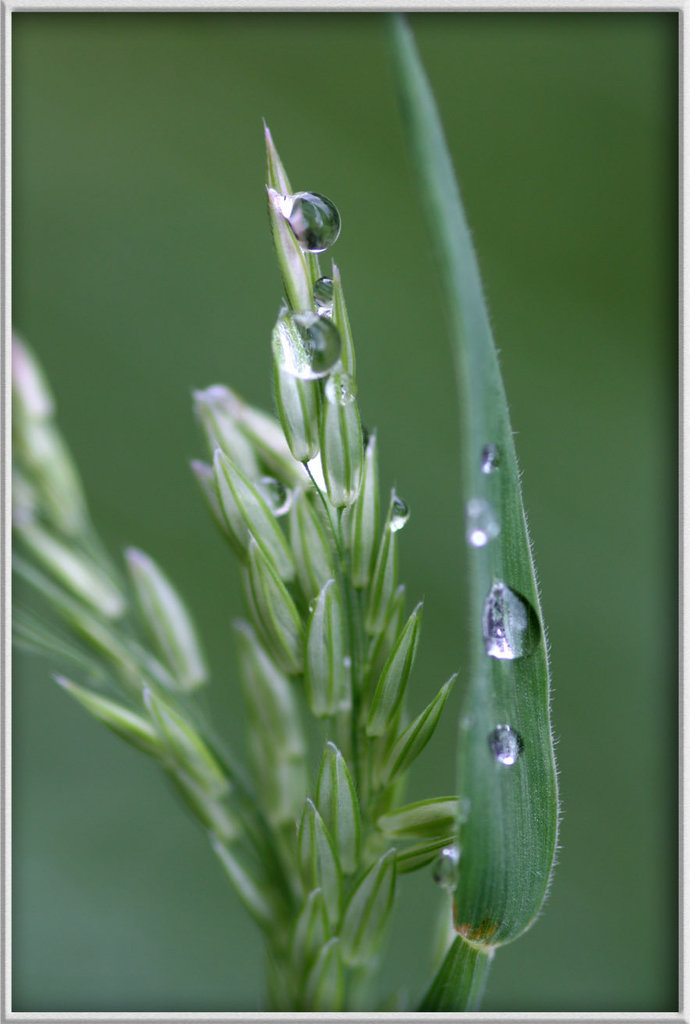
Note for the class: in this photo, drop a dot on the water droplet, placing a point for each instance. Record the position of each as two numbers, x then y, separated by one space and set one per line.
276 495
505 744
323 296
314 220
400 513
340 389
347 662
464 808
491 458
306 345
482 523
509 624
445 869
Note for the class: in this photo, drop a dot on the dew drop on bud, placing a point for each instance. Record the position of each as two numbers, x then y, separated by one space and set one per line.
400 513
505 744
510 626
491 458
482 523
314 220
306 345
276 495
340 389
445 869
323 296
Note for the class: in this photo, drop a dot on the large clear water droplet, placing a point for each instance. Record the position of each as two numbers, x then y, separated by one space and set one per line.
314 220
505 744
340 389
323 296
306 345
491 458
445 869
482 523
276 495
509 624
400 513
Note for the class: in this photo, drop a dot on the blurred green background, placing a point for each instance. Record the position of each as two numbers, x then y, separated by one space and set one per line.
143 268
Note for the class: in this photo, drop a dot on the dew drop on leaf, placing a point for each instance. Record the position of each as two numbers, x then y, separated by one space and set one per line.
491 458
445 870
276 495
306 345
481 523
510 626
314 220
323 296
400 513
505 744
340 389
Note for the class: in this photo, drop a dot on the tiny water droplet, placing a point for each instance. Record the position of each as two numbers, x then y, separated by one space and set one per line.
400 513
347 662
445 869
323 296
314 220
340 389
491 458
505 744
509 624
464 808
275 494
306 345
482 523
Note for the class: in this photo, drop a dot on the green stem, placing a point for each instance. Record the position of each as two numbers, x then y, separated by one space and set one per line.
460 981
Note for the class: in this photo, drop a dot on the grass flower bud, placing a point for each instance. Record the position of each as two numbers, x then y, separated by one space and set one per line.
385 575
186 747
390 689
318 861
214 815
425 819
298 407
310 547
310 932
337 803
247 514
364 521
167 620
266 437
342 451
291 259
31 396
367 912
326 676
410 744
342 322
214 411
74 570
280 620
325 985
254 896
130 726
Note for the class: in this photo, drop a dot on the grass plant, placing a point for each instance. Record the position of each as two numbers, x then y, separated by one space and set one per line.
326 650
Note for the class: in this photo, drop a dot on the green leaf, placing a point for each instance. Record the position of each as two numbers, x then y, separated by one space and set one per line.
326 677
411 743
279 618
248 515
318 861
128 725
425 819
312 552
367 911
337 803
509 839
365 517
460 981
390 690
168 620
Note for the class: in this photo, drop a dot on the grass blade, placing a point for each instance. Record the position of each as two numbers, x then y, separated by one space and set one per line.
509 838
